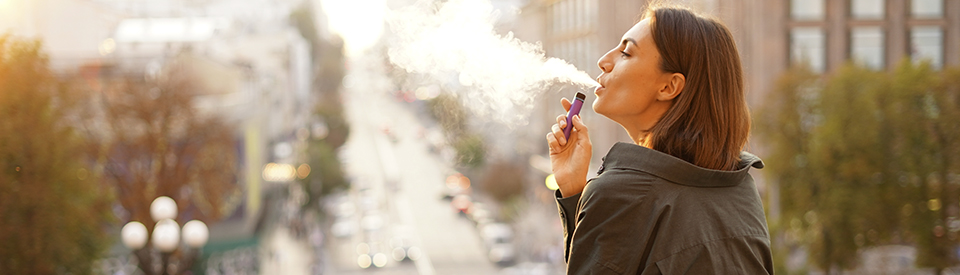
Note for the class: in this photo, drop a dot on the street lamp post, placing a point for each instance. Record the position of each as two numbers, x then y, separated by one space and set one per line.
166 235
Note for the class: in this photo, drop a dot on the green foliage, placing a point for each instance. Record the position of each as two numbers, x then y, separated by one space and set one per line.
337 127
449 113
326 174
470 150
52 208
327 53
452 116
854 153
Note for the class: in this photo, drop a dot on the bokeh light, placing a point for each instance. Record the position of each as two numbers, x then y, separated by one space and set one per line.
551 182
303 171
279 172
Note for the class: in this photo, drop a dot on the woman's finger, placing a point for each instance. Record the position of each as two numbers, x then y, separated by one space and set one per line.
562 121
566 104
552 144
559 134
578 125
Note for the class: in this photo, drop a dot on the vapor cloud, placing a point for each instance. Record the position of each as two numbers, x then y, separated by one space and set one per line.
499 76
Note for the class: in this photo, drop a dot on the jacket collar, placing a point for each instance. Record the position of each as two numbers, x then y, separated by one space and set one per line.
634 157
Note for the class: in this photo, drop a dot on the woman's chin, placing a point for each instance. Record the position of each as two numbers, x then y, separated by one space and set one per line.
598 107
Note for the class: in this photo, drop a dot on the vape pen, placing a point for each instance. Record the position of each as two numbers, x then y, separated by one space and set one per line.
574 110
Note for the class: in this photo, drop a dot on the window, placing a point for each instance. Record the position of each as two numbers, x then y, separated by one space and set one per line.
555 14
807 47
926 8
564 16
806 10
591 13
867 9
581 14
866 47
926 43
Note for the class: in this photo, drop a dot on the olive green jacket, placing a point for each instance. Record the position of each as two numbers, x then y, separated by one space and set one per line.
651 213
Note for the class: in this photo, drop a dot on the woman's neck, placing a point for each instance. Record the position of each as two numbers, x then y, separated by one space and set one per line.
639 137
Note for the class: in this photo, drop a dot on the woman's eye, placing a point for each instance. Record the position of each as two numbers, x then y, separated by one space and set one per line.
624 54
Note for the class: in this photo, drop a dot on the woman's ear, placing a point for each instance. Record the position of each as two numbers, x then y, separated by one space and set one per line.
673 88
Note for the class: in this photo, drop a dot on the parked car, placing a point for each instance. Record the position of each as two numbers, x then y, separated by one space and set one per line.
479 214
455 184
498 239
344 227
461 203
502 254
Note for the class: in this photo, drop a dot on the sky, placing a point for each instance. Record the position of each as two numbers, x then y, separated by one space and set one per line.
359 22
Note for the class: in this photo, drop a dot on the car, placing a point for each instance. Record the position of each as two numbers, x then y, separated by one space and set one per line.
343 228
479 214
345 210
371 222
498 239
502 254
455 184
496 233
461 203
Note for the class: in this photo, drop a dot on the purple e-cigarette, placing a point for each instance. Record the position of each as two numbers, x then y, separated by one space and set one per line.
574 110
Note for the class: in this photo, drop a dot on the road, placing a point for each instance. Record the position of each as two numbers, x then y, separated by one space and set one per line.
396 178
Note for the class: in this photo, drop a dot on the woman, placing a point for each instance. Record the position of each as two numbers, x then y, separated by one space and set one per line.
679 199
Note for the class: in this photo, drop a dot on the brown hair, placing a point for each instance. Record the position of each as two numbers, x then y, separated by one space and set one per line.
708 123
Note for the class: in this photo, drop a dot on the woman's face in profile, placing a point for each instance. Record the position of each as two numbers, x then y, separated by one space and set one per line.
630 79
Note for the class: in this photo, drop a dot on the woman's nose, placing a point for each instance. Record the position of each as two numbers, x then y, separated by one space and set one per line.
604 63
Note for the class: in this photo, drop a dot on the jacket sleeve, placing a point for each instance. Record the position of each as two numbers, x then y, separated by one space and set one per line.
568 207
614 228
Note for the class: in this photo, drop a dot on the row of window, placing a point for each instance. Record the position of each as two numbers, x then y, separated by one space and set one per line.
573 15
867 46
812 10
581 52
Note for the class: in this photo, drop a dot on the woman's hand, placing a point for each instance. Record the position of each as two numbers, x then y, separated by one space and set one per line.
569 159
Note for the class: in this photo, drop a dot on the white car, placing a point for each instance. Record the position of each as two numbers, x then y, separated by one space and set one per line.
343 228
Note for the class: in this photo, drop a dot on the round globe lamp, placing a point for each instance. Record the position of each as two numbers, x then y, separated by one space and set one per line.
163 208
166 235
134 235
195 233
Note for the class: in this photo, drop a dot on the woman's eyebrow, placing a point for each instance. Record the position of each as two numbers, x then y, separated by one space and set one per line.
625 40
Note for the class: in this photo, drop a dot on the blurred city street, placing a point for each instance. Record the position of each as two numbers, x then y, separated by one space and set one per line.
403 181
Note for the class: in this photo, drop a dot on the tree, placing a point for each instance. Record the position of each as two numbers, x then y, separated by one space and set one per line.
926 106
452 117
326 176
866 158
784 124
152 142
846 160
52 206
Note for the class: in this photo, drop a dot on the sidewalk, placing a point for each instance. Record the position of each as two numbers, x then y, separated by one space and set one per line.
283 254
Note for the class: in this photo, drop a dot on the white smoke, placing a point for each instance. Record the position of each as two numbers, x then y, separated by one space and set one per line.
499 76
